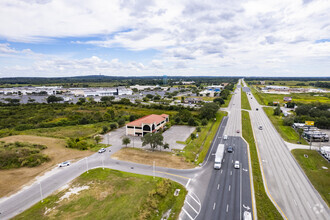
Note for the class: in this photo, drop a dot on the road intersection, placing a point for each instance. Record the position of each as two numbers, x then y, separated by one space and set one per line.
212 194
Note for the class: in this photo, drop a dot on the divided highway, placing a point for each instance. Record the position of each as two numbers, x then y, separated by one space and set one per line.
288 186
224 193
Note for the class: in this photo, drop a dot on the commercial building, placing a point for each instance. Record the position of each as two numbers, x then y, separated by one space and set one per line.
147 124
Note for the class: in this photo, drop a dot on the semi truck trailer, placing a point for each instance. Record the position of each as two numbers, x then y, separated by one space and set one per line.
218 156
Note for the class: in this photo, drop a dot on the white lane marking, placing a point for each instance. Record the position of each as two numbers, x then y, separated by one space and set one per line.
232 161
188 183
213 206
227 208
195 200
231 173
187 214
295 202
192 207
229 187
221 171
218 186
224 160
309 205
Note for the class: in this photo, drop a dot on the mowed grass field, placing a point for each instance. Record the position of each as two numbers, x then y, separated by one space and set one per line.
313 167
286 132
111 194
13 179
244 100
305 98
162 159
265 207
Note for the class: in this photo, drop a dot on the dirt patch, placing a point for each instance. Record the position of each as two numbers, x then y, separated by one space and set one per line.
162 159
13 180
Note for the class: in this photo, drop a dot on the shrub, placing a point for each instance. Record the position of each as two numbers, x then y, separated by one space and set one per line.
121 122
113 125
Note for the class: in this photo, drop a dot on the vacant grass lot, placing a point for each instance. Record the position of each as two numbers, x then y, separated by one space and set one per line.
245 101
265 98
312 166
286 132
12 180
196 150
162 159
67 131
111 194
265 207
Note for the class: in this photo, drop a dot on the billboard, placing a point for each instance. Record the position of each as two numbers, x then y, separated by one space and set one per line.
309 123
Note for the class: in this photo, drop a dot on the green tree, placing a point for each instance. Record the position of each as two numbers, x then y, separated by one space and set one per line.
52 99
198 129
126 141
209 110
105 129
97 139
191 122
153 139
184 115
121 122
113 126
204 122
192 136
219 100
277 110
166 146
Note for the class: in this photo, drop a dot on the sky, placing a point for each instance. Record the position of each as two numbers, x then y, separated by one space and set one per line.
56 38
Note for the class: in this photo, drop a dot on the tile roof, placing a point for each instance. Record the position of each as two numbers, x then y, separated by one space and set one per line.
149 119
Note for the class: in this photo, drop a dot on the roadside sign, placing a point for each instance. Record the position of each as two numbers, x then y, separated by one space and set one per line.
310 123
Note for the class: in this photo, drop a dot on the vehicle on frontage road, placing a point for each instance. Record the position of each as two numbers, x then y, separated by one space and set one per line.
64 164
219 156
102 150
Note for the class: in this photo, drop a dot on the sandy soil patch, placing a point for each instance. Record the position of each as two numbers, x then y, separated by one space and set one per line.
162 159
13 180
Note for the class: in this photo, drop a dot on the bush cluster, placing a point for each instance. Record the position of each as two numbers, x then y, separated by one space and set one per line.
20 154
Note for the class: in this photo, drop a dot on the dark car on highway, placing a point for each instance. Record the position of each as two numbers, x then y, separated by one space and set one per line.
230 149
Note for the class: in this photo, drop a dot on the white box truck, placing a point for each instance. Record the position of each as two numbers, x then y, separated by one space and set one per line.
219 156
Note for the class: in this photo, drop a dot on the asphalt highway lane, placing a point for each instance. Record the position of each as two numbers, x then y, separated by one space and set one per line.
288 186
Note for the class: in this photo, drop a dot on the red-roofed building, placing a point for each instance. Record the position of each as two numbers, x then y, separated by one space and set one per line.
147 124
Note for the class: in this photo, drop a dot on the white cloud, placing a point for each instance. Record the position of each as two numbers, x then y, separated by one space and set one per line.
213 37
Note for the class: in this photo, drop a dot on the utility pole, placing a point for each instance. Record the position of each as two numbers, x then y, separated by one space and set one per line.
102 161
87 163
41 192
153 169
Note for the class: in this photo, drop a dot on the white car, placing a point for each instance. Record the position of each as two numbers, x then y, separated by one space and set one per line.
236 164
64 164
102 150
225 137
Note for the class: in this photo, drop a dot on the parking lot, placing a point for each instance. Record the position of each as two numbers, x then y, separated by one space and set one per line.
175 133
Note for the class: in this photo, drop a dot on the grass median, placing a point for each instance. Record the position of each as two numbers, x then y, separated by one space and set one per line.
265 207
111 194
317 170
245 101
286 132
